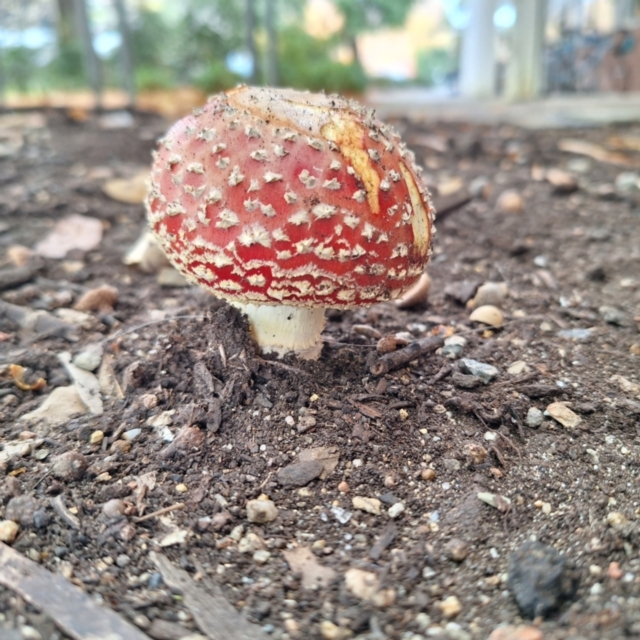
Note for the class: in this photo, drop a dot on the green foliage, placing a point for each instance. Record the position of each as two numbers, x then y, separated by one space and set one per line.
66 70
305 63
434 65
215 77
19 67
363 15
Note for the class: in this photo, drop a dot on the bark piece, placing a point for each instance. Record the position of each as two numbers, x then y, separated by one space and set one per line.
72 610
215 617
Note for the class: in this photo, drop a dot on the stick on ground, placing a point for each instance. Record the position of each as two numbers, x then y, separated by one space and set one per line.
70 608
398 359
215 617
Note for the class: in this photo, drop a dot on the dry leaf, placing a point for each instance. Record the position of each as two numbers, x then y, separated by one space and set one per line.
107 380
58 408
625 143
303 562
17 373
73 232
328 456
595 151
625 384
130 190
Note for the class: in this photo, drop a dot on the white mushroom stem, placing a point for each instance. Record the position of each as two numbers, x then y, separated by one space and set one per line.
281 329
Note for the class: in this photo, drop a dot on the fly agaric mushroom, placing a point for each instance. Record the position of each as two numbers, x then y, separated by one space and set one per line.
285 203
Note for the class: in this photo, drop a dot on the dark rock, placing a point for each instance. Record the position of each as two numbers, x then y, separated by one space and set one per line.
463 291
69 466
539 390
540 578
463 381
613 315
596 274
299 474
41 519
261 609
21 509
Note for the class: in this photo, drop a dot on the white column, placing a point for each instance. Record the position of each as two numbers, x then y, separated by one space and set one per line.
477 63
525 73
625 13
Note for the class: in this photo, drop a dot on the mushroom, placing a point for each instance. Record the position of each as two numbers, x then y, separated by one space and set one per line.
285 203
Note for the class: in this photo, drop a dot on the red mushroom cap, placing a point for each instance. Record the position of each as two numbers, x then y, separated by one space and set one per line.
281 197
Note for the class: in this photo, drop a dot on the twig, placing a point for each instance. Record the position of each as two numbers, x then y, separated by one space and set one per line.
448 204
159 512
413 350
61 509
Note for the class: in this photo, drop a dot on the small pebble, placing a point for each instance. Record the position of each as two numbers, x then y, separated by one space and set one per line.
476 453
395 510
428 475
562 414
261 556
123 560
453 346
140 620
8 531
521 632
370 505
69 466
250 543
96 437
485 372
457 549
343 487
614 571
181 488
616 519
30 633
450 607
489 315
21 509
534 418
517 368
330 631
261 511
510 201
113 508
491 293
89 359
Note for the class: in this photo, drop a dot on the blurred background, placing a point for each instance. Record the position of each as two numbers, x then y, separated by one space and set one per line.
169 55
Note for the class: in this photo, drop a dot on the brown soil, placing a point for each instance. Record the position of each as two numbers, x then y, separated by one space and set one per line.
563 257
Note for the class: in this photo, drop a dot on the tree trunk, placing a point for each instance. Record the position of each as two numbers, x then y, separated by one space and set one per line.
250 25
92 64
66 22
353 44
126 56
271 66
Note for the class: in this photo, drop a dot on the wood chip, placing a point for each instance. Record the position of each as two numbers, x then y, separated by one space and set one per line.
215 617
73 611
